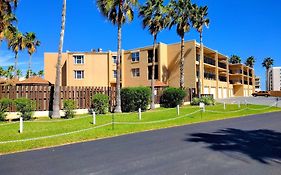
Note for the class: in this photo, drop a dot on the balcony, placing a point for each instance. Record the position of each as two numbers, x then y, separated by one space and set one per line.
222 78
209 76
235 81
209 61
197 57
222 65
245 82
235 71
251 83
245 73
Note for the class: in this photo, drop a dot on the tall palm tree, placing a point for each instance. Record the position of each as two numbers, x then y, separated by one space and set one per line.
267 63
16 43
180 15
199 20
9 72
31 43
56 97
118 12
2 72
234 59
40 73
250 61
154 17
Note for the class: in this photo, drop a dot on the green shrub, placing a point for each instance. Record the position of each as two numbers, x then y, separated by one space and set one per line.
100 103
207 100
172 97
4 104
68 107
134 98
26 107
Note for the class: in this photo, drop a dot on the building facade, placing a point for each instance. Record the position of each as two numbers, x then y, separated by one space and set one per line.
257 84
218 77
274 79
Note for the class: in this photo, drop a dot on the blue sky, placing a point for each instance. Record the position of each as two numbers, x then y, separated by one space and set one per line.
240 27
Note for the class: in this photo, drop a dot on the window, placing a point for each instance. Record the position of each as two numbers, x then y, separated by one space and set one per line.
150 56
136 72
135 57
114 73
155 72
114 59
79 74
78 59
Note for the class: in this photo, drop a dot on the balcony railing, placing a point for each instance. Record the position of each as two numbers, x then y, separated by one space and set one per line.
235 71
222 78
209 61
235 81
209 76
222 65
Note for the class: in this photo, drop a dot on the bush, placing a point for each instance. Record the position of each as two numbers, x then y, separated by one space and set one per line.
68 107
134 98
100 103
26 107
172 97
207 100
4 104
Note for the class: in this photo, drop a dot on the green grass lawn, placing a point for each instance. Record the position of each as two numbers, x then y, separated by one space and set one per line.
82 129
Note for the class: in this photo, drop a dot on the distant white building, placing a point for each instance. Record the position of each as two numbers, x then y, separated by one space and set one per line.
257 84
274 78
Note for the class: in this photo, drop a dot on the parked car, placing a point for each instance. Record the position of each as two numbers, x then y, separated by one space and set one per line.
261 93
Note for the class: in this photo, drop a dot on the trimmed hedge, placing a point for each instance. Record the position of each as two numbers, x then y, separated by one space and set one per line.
100 103
26 107
206 100
134 98
68 107
172 97
4 104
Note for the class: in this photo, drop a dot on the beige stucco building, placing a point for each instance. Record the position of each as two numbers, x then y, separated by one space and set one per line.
218 77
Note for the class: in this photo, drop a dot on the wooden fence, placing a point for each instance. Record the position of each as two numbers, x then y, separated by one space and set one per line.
43 95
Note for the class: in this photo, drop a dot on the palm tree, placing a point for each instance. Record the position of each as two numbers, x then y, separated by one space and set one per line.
180 14
250 61
19 73
56 97
154 17
9 72
16 43
2 72
118 12
199 20
234 59
32 43
40 73
267 63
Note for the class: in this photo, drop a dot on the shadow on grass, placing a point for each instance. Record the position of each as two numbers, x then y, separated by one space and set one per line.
261 145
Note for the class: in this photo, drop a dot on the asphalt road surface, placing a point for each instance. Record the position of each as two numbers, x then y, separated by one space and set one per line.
241 146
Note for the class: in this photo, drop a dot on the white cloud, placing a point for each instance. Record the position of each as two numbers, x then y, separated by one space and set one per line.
8 58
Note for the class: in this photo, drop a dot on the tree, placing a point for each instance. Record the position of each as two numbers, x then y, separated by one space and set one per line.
16 43
56 97
9 72
199 20
267 63
2 72
234 59
154 17
40 73
118 12
180 15
6 16
31 43
250 61
19 73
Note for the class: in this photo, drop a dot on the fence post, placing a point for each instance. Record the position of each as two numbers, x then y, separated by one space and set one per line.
21 125
178 109
139 113
94 117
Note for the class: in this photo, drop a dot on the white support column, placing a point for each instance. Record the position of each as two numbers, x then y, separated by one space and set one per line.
178 109
94 117
139 113
21 124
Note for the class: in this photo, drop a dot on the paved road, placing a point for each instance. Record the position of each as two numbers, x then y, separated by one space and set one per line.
253 100
244 146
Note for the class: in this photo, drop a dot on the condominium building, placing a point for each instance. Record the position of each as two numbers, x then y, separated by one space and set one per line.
274 79
218 77
257 84
82 68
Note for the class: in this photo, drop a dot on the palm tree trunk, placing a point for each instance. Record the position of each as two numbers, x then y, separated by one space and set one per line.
267 82
118 76
56 98
201 69
152 104
16 65
29 66
182 64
